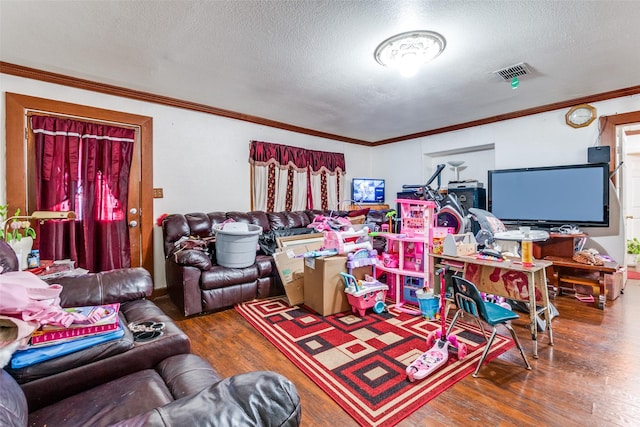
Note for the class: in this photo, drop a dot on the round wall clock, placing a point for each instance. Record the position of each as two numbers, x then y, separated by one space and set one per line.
580 116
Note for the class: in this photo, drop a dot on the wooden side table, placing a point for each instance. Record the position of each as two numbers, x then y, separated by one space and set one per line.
559 245
569 271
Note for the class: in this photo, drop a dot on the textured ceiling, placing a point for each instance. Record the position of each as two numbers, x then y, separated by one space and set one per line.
311 64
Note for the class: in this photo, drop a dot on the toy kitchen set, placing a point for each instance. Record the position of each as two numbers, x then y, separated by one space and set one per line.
406 259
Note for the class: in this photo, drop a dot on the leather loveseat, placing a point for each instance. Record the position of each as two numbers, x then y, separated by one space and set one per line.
126 382
64 376
182 390
197 284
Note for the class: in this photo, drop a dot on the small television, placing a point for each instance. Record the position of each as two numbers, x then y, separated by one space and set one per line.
551 196
367 190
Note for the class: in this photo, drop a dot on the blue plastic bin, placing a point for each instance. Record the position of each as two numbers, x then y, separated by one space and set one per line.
429 307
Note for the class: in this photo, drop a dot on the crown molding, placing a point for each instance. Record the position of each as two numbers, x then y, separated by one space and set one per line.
61 79
35 74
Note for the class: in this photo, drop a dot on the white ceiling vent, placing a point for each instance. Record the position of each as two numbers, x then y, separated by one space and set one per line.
517 70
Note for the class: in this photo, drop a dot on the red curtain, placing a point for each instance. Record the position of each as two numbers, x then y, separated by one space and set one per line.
84 167
321 162
274 156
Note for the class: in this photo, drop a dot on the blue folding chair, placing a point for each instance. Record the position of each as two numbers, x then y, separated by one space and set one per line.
469 301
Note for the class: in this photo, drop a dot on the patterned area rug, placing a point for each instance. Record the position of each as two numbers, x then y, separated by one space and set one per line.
360 361
633 274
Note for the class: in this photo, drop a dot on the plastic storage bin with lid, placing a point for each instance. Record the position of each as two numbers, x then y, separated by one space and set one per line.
236 244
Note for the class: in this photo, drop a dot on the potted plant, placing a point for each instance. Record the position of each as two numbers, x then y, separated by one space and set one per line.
18 233
391 215
633 249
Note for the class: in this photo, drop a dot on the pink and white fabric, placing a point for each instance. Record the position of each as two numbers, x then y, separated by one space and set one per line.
25 296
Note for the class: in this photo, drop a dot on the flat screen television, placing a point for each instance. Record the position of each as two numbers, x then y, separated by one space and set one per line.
551 196
367 190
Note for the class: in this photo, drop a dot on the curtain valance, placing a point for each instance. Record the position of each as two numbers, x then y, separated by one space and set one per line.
263 153
293 178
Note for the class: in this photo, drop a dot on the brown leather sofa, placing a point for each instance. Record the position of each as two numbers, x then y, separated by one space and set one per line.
126 382
67 375
182 390
197 284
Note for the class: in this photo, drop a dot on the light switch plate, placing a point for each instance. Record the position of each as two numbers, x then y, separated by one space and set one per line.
158 193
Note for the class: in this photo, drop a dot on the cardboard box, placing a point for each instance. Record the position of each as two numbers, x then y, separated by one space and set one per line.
439 234
291 270
323 285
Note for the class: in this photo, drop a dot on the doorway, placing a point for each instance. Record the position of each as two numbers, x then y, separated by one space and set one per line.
18 183
620 132
630 183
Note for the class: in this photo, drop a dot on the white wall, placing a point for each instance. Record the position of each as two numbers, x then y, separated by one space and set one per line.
539 140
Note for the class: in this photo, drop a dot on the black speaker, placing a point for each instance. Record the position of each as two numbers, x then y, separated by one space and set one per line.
471 197
599 154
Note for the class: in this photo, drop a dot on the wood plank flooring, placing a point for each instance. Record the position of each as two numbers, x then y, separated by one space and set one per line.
590 377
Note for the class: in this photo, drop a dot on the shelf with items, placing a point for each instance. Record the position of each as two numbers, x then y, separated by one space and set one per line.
373 207
406 255
561 245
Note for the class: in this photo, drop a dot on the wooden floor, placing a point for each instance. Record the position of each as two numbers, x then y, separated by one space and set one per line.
590 377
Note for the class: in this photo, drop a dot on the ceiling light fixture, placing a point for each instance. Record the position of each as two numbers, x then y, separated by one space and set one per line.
408 51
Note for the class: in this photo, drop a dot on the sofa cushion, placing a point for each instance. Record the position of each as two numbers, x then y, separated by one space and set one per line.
265 265
252 399
187 374
221 277
199 224
245 217
260 219
75 359
143 355
281 220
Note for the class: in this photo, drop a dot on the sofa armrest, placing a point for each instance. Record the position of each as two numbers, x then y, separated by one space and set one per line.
191 258
107 287
260 398
187 374
13 404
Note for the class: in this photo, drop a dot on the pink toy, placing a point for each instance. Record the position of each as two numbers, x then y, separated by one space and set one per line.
390 260
365 294
349 240
501 301
362 258
440 344
328 223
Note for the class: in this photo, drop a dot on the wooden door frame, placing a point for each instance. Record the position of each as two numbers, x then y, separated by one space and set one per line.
16 177
608 126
